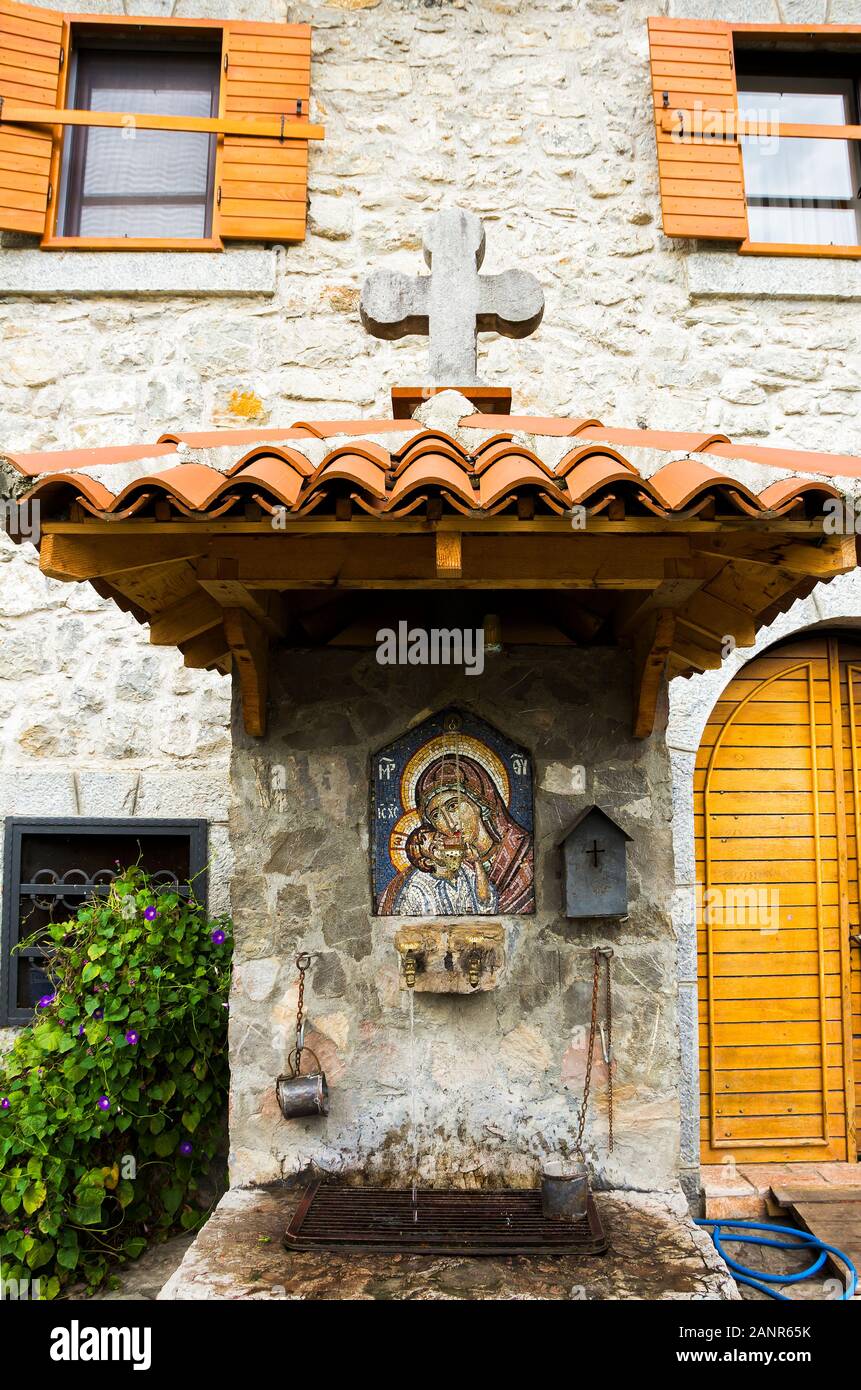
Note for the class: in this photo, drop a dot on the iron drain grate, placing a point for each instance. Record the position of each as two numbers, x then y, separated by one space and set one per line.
367 1220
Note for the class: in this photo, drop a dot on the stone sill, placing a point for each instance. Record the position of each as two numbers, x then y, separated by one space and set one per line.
139 274
725 274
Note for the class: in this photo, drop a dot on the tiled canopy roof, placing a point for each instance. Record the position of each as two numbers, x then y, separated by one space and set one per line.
487 463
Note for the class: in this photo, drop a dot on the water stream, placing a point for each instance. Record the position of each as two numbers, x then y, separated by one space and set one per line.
413 1126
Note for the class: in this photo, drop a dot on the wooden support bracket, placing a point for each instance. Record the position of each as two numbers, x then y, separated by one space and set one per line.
219 576
651 649
249 647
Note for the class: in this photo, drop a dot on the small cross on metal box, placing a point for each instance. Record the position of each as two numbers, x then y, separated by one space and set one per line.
595 864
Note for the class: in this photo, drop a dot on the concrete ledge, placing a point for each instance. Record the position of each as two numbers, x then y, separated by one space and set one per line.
727 275
138 273
655 1252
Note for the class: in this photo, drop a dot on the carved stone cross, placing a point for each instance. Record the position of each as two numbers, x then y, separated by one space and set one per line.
454 303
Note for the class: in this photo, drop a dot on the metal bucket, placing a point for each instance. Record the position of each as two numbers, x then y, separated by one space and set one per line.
302 1095
564 1191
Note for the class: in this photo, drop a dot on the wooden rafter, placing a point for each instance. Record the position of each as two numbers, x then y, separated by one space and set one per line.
651 650
249 647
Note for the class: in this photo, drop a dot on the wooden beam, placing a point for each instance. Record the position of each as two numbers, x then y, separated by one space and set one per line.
449 555
96 556
688 643
717 619
263 127
219 577
184 619
398 562
651 649
209 649
836 555
682 578
250 650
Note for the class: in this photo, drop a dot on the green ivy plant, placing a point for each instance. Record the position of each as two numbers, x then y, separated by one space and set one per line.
112 1100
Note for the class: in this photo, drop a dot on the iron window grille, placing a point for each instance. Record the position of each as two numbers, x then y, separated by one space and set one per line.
50 867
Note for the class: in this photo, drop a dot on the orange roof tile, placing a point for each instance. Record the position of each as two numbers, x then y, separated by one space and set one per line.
271 467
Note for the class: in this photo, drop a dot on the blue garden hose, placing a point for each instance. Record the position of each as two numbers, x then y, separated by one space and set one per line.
804 1240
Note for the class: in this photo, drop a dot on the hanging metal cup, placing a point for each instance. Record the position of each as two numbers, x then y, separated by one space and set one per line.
565 1191
302 1095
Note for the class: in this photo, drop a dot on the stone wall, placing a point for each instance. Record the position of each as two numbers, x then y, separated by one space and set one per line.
535 114
498 1075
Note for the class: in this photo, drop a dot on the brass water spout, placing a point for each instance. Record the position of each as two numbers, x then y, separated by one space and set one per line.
410 969
475 961
412 949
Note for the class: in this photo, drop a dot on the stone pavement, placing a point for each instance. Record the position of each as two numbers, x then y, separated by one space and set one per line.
655 1253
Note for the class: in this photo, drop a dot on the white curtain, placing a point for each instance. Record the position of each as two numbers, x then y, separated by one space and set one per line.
798 173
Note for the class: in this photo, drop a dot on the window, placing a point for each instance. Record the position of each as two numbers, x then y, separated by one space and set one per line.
800 190
52 866
738 108
152 134
140 183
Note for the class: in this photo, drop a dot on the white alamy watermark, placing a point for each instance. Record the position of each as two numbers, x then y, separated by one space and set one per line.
841 516
76 1343
20 520
435 646
740 906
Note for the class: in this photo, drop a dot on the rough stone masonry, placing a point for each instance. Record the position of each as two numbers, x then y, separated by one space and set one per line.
425 105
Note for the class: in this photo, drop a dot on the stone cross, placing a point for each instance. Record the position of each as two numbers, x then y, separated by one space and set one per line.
454 303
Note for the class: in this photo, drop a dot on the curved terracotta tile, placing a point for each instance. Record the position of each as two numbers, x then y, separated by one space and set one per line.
511 474
430 441
71 487
293 457
779 497
498 452
193 483
582 452
224 504
595 471
433 470
140 503
677 483
503 437
279 478
352 469
668 441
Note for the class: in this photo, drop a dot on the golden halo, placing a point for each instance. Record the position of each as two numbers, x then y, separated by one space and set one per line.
400 833
451 744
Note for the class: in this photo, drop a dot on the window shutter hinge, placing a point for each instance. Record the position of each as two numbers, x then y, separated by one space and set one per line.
50 198
299 107
226 61
666 97
218 196
1 108
62 56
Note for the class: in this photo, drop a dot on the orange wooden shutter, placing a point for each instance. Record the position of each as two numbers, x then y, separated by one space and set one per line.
30 60
262 184
701 178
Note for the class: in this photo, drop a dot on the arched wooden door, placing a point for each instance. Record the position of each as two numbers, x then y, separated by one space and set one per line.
777 800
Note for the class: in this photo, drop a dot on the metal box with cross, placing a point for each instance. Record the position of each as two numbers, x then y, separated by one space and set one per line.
595 866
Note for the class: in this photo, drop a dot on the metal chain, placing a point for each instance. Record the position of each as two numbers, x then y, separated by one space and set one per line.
581 1122
608 955
606 952
302 963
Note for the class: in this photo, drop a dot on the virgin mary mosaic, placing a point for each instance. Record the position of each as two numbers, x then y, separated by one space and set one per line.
451 816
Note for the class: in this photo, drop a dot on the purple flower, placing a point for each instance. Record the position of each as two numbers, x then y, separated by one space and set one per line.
150 913
26 1230
45 1001
186 1148
80 1030
98 1013
218 937
104 1103
5 1103
132 1038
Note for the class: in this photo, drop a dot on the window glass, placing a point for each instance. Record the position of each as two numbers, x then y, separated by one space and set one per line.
141 183
801 190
